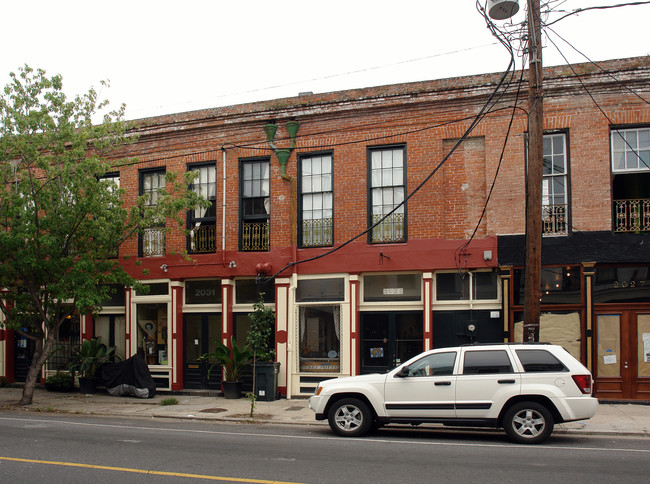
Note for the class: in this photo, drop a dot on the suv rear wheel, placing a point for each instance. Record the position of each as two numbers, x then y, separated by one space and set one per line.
528 423
350 417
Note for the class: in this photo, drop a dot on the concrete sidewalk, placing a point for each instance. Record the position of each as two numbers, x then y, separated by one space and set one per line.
610 419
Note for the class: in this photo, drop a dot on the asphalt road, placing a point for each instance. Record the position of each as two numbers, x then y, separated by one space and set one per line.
73 448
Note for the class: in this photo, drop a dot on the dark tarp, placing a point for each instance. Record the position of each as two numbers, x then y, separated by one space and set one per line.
128 377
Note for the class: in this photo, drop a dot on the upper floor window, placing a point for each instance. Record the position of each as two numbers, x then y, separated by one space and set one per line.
152 242
631 179
387 175
631 149
255 206
316 201
554 185
202 221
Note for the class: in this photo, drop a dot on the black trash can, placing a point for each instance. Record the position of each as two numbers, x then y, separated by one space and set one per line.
266 380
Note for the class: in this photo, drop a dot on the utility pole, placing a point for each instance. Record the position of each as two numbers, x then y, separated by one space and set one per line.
533 254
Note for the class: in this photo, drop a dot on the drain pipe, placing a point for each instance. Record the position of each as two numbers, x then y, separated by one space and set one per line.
223 207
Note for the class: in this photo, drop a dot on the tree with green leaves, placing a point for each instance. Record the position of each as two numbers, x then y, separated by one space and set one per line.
61 221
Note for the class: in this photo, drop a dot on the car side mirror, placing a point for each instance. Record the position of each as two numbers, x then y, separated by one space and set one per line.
403 372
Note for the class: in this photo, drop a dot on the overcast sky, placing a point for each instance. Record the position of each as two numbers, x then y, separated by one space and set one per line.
165 56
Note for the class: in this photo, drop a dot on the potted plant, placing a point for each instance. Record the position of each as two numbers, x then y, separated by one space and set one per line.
260 339
87 359
233 361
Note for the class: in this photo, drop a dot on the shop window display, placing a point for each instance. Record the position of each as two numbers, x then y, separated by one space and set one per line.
152 333
320 333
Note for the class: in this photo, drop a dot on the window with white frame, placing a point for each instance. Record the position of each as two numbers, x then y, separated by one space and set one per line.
316 200
387 169
554 185
630 149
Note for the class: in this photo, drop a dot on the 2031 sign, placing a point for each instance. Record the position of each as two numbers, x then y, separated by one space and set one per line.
630 284
205 292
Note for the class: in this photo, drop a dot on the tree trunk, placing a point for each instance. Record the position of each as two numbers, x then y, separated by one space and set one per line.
40 357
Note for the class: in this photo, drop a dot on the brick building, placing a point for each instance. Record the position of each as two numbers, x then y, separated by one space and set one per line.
362 282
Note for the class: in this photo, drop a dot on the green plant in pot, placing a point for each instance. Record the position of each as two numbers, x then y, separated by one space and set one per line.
233 361
260 338
87 359
59 382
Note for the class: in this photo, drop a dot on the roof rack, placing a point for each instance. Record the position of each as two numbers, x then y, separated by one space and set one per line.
508 343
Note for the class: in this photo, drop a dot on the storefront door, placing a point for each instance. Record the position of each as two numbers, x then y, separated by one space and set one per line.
389 339
200 332
622 366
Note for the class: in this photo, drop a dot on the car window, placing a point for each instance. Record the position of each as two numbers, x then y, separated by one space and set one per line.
434 365
539 361
478 362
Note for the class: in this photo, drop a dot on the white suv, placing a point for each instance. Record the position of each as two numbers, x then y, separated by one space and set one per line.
524 388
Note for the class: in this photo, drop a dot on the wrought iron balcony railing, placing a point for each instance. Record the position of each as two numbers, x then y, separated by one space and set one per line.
203 239
632 215
390 230
554 219
317 232
255 236
153 242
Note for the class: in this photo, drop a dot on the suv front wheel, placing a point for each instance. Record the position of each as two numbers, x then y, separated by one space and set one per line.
528 423
350 417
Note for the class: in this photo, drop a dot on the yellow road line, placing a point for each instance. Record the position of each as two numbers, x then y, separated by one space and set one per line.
143 471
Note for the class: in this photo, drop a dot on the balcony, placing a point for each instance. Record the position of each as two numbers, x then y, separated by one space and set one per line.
554 220
254 236
153 242
390 230
203 239
632 215
317 232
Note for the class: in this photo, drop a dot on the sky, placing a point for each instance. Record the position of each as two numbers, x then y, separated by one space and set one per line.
164 57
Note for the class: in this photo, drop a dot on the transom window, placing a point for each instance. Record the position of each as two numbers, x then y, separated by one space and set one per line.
554 185
387 169
466 286
316 200
255 205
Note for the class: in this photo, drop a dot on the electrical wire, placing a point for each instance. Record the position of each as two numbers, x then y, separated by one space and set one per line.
593 99
477 119
599 7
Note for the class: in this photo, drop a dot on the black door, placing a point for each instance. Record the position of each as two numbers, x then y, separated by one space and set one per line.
200 332
23 354
389 339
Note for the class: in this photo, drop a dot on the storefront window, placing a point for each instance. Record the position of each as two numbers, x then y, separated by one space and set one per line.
465 286
116 295
557 327
622 284
155 289
321 290
559 285
247 291
320 339
152 333
392 287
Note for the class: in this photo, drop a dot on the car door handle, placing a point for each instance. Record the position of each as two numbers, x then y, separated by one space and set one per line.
441 383
506 381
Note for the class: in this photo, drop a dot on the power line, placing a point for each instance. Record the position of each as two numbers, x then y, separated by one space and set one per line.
599 7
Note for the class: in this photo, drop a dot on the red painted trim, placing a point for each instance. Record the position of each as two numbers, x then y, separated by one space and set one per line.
10 356
177 340
227 302
355 340
89 325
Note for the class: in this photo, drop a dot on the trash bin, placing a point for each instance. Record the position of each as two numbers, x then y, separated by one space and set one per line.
266 380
